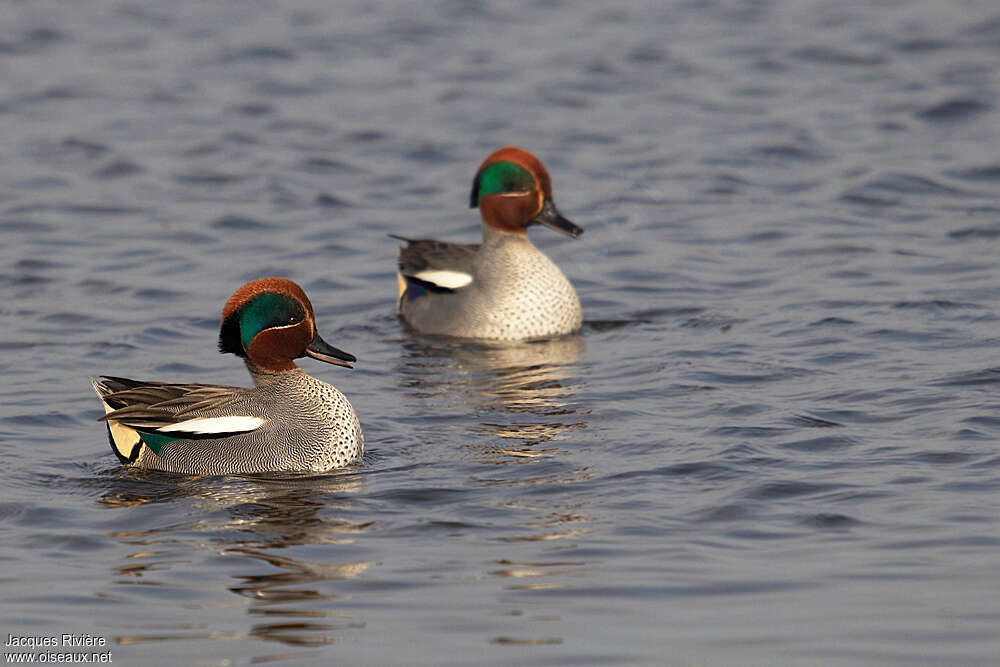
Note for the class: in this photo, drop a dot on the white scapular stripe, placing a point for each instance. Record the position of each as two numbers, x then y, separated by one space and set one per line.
205 425
442 278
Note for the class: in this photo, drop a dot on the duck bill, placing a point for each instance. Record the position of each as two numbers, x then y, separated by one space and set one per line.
320 349
551 217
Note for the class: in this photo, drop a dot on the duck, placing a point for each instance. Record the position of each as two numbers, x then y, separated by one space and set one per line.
287 422
504 288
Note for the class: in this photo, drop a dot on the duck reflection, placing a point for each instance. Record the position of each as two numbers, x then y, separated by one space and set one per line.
247 518
523 399
527 387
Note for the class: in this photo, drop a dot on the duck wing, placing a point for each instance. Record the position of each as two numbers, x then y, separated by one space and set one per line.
174 410
437 265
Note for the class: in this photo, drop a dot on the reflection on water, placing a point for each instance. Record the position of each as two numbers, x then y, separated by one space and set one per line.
271 595
246 518
531 385
525 396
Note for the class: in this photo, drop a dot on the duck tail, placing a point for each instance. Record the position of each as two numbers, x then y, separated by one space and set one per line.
125 441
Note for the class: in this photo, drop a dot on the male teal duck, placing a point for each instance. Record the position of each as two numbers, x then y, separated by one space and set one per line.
504 288
288 421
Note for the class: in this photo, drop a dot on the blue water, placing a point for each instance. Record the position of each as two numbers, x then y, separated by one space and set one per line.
775 440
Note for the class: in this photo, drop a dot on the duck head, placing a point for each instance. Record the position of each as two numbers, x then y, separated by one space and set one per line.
513 191
269 322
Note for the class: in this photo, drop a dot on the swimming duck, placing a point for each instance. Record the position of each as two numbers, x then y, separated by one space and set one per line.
504 288
288 421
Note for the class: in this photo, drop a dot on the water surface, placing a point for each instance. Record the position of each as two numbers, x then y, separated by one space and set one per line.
774 440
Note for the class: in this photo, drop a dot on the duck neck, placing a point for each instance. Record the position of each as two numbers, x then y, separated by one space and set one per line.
266 376
493 236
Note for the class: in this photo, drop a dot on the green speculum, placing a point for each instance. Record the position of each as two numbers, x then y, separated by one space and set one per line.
502 177
155 441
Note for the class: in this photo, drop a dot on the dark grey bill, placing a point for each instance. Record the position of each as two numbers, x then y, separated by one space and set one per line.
551 217
320 349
